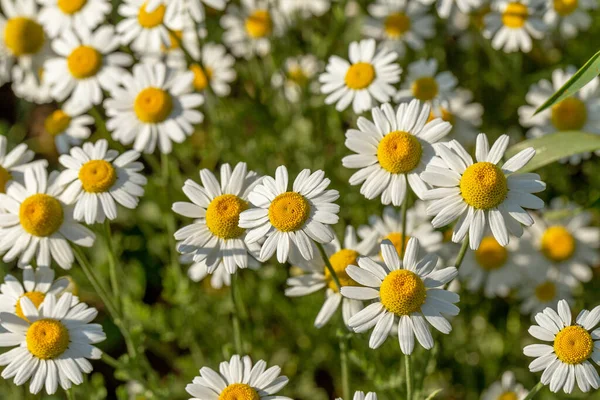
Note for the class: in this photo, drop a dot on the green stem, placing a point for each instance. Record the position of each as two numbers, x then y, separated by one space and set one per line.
237 335
409 381
112 264
534 391
404 213
99 120
111 361
70 394
188 56
344 362
462 252
329 266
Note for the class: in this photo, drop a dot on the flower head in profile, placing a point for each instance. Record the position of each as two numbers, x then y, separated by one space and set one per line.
291 219
216 72
297 77
505 389
463 114
14 163
481 193
238 379
407 296
571 349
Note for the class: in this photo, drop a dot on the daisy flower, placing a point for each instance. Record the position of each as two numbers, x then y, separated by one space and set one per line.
51 345
35 221
249 29
573 346
571 16
425 84
369 75
195 8
198 271
361 396
495 268
238 379
399 23
506 388
86 64
97 178
13 163
543 290
37 284
317 277
392 150
568 244
513 23
30 85
215 237
68 126
297 76
446 7
406 293
464 115
290 219
305 9
154 106
389 227
482 191
216 70
580 112
58 16
146 25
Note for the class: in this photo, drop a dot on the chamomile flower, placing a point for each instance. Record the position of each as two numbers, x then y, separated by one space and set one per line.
392 150
572 346
407 294
35 222
154 106
238 379
369 75
513 23
297 76
216 71
58 16
173 55
30 85
579 112
68 126
14 163
195 8
495 268
361 396
317 277
97 178
569 244
543 290
51 345
389 227
305 9
482 191
199 271
147 28
505 389
290 219
86 64
463 113
215 237
446 7
424 83
399 23
571 16
249 29
36 285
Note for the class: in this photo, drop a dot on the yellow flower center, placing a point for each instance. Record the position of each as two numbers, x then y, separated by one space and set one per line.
202 76
152 19
239 391
23 36
360 76
402 292
508 396
573 345
446 116
490 255
289 211
545 291
175 38
483 185
5 176
97 176
41 215
57 122
399 152
47 339
558 244
259 24
515 15
396 24
569 114
425 88
297 76
153 105
36 298
339 261
565 7
223 215
396 239
71 6
84 62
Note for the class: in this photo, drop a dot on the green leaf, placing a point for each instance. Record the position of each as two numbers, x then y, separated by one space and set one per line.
589 71
553 147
